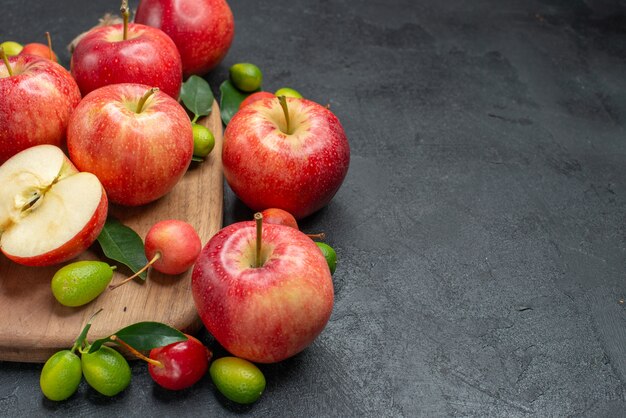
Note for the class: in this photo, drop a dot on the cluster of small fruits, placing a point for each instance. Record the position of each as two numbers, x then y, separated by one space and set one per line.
262 288
173 365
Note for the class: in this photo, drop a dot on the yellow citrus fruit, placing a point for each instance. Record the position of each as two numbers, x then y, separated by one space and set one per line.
81 282
237 379
11 48
106 371
203 141
60 375
245 76
329 254
288 92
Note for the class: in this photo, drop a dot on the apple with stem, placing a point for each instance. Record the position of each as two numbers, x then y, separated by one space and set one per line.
172 246
285 153
127 53
202 30
264 291
40 50
49 211
136 139
37 97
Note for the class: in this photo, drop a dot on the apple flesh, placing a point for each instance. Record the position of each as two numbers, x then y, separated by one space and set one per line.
297 168
177 244
269 313
35 104
49 212
147 56
202 30
138 155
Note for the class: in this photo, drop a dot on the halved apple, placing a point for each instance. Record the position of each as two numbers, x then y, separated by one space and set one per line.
49 211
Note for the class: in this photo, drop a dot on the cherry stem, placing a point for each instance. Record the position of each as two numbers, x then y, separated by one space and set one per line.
258 217
144 268
6 61
50 46
136 353
283 104
125 15
145 97
321 236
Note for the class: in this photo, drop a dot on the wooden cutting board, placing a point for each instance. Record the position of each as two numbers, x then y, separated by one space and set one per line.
33 325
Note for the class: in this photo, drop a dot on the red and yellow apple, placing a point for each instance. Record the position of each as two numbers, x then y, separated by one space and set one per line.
268 313
49 212
201 29
138 141
295 163
145 56
37 97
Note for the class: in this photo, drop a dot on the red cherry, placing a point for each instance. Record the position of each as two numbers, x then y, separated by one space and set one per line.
40 50
183 363
279 217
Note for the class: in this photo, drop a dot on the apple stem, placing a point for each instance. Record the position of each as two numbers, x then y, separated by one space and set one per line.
145 97
50 46
283 104
136 353
321 236
6 61
125 15
258 217
144 268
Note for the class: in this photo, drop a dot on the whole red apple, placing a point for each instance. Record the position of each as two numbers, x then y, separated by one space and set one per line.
137 141
296 163
268 313
201 29
49 212
37 97
145 56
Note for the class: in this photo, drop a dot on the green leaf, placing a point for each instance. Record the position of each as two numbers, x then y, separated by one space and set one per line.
197 96
122 244
143 336
230 99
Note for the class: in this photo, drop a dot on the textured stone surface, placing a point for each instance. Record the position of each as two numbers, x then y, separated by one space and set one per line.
481 230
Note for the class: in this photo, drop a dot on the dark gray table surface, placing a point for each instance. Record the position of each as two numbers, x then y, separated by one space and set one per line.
481 229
